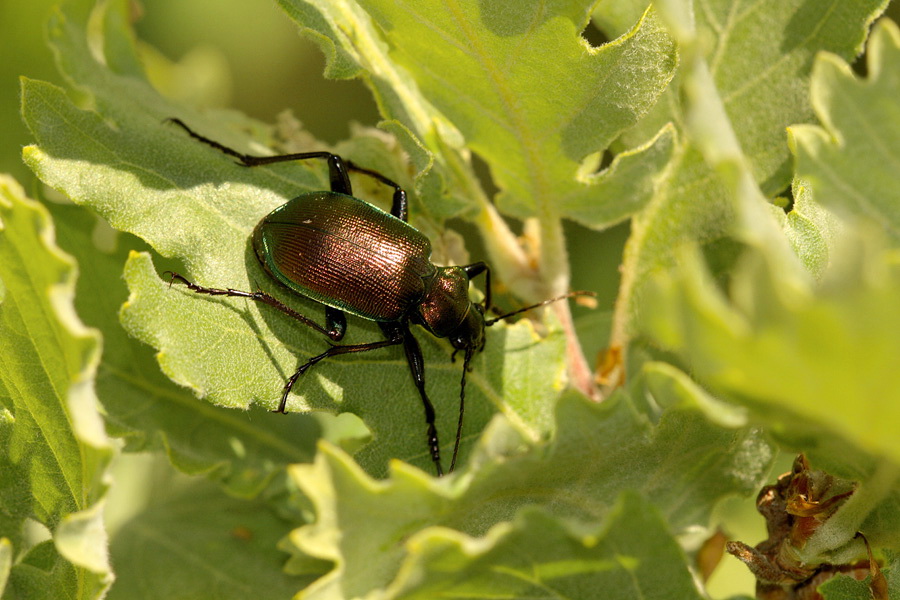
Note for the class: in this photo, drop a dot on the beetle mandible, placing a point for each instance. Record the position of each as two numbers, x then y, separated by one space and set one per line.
352 257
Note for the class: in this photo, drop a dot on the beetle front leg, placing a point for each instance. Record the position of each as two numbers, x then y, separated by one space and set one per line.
476 269
401 333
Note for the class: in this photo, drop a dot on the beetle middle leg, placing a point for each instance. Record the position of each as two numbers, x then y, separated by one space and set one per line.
396 333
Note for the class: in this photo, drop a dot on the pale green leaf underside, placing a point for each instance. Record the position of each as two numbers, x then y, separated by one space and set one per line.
484 77
753 53
142 405
760 56
852 164
816 365
811 229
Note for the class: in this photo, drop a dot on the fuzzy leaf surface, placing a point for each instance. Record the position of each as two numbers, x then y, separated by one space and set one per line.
750 52
814 365
142 405
219 547
480 65
851 164
631 554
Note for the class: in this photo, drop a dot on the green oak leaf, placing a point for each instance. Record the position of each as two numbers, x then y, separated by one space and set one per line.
142 405
627 185
812 230
814 364
483 78
631 554
53 449
757 342
851 163
739 56
760 55
229 546
683 466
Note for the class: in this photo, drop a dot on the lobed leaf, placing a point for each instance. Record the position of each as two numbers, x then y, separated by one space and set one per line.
631 554
484 74
190 202
812 230
142 405
53 450
813 365
741 55
851 164
683 466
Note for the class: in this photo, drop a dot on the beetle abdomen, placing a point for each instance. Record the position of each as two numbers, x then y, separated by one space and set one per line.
346 253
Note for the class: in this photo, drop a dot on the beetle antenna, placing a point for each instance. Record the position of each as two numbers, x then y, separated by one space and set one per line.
538 305
462 405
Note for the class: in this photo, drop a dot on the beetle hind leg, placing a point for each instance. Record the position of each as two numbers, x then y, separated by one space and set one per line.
334 319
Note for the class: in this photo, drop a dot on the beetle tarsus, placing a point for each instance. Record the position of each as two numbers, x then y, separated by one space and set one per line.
435 448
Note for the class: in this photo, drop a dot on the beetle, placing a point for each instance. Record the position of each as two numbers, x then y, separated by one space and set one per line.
352 257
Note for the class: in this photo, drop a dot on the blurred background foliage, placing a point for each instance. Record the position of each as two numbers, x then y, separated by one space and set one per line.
252 54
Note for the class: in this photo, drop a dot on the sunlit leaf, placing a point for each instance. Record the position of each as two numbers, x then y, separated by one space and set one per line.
53 450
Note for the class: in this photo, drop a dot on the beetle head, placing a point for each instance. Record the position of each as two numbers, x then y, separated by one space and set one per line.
446 310
469 335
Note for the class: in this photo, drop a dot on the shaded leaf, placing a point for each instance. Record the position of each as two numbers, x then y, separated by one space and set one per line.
219 547
682 466
630 555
